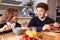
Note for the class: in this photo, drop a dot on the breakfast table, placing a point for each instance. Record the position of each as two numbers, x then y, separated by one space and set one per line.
45 36
50 36
10 36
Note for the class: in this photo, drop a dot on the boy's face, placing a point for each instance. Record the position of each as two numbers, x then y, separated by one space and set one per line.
41 12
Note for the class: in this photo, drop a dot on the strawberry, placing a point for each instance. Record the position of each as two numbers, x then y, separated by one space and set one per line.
29 38
37 38
40 37
24 36
24 39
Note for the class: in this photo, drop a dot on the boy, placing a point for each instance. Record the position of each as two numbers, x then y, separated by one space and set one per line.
40 20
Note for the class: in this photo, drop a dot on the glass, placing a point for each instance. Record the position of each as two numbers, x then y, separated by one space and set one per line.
33 29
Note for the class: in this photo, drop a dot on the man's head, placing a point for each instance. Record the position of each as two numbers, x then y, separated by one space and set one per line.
41 9
27 5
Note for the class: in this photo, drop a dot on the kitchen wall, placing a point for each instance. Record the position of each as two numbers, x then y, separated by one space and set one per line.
58 2
36 2
3 7
52 7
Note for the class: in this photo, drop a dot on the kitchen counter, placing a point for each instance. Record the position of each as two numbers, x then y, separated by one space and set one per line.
25 17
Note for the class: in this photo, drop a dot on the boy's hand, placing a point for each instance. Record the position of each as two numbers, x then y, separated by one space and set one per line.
46 27
56 24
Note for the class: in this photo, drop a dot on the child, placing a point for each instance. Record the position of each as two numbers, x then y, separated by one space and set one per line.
41 19
9 20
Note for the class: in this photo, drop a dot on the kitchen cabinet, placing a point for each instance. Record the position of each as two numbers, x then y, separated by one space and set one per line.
4 4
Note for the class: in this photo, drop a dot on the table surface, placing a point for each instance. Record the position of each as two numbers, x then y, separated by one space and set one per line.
51 33
10 36
50 36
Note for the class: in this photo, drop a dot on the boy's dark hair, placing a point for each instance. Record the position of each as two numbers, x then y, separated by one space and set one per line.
42 5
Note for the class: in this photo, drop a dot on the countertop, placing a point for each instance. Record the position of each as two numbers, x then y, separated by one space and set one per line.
25 17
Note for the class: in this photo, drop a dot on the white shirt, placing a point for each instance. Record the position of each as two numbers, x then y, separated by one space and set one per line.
26 11
42 19
11 25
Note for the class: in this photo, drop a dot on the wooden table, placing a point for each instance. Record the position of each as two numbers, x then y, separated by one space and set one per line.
10 36
50 36
45 36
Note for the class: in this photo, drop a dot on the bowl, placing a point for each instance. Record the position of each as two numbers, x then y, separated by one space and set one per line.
19 30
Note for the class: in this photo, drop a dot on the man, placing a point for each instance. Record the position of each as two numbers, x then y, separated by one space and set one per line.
27 11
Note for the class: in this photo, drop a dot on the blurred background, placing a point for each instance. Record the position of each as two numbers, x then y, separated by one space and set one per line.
54 7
